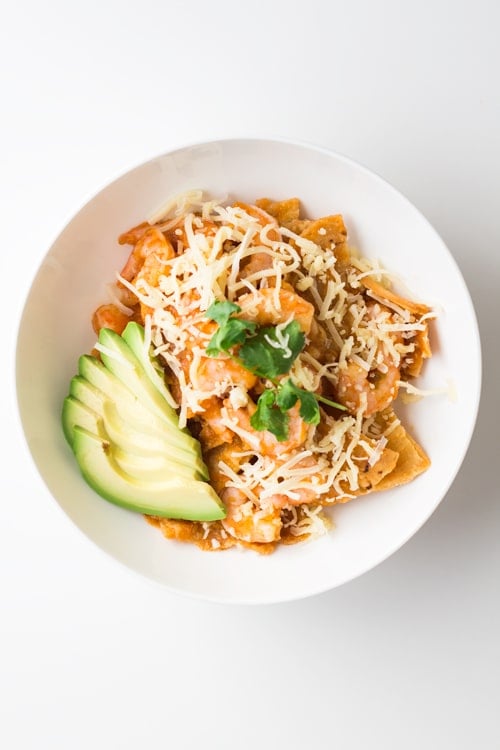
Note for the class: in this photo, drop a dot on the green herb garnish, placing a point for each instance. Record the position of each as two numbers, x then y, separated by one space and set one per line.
273 350
287 396
267 351
273 406
270 416
231 330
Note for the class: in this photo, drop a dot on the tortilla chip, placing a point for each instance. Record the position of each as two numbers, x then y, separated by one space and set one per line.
369 477
193 532
373 475
417 308
299 225
401 461
412 460
213 539
284 212
323 232
422 351
328 230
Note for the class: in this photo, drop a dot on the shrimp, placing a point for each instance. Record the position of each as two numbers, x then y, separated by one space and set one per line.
213 370
380 388
303 496
225 453
110 316
376 388
144 259
248 523
262 307
214 432
134 234
147 262
263 441
307 493
152 241
257 262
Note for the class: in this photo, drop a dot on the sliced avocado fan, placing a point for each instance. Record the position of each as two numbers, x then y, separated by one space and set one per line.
120 420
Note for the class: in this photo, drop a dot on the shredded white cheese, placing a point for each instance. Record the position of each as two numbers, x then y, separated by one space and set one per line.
226 253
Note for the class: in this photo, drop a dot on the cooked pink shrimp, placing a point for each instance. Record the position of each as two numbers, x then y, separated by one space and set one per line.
261 306
379 388
110 316
214 432
213 370
257 262
131 236
304 495
151 242
301 495
379 385
248 523
264 441
147 262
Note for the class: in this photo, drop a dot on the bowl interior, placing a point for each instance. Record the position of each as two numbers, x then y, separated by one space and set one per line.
71 282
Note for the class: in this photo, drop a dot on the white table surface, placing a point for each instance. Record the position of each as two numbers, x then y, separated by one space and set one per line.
405 657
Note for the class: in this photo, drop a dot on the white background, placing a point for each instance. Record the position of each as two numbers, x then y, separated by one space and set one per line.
406 657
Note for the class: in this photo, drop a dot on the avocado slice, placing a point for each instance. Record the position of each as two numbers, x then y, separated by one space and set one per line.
148 457
172 498
98 374
105 386
95 373
126 439
154 467
135 337
74 412
122 362
140 418
87 393
139 441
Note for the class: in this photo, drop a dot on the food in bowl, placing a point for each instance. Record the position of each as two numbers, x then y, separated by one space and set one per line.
245 375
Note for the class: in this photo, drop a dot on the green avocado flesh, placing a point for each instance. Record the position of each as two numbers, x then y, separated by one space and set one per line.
76 412
107 387
120 422
135 338
173 497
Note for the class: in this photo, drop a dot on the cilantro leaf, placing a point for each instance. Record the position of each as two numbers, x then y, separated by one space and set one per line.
309 409
288 395
268 416
231 330
272 350
267 352
222 311
231 333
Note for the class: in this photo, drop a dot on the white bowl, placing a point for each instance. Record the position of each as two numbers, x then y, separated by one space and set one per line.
70 284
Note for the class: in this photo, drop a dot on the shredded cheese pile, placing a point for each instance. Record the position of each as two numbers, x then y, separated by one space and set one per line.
357 340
